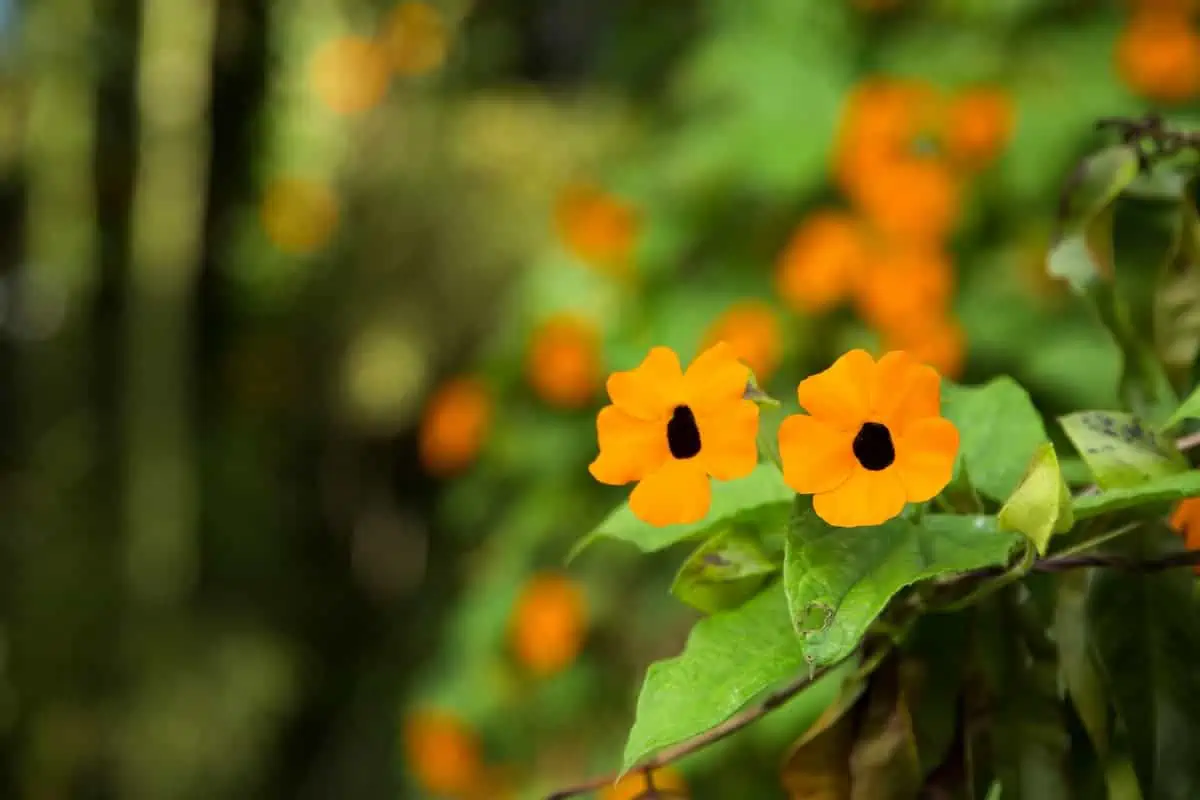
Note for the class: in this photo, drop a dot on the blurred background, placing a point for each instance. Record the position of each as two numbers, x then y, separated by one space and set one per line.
306 309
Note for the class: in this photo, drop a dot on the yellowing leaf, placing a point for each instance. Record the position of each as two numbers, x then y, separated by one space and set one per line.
1041 505
1119 449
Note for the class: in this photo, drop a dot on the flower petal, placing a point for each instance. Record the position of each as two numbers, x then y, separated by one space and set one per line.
816 457
715 378
904 390
676 493
841 395
630 448
728 439
925 457
650 390
866 498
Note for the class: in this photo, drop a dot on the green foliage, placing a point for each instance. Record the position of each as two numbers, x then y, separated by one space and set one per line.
839 579
1000 430
723 572
1119 449
1041 505
1159 490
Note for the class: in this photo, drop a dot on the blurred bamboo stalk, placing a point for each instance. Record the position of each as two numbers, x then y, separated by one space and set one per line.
168 222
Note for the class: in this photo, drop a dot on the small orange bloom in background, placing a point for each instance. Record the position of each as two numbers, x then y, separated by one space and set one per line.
298 215
670 431
563 364
979 123
596 227
415 38
456 421
883 120
1185 519
442 753
1158 56
822 262
350 74
873 439
751 328
549 624
633 785
940 343
915 199
904 288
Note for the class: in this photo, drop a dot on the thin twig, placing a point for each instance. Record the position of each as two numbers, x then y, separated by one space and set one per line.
1186 558
712 735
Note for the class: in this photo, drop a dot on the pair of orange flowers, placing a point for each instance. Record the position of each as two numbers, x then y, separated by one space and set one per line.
873 438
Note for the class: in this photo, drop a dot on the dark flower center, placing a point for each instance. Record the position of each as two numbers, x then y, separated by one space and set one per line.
873 447
683 437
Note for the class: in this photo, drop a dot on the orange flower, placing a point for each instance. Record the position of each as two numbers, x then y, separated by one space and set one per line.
904 288
1158 56
883 120
299 216
596 227
914 199
821 262
456 421
751 328
979 123
442 753
670 431
1185 519
634 785
940 343
564 361
548 624
350 74
873 439
415 38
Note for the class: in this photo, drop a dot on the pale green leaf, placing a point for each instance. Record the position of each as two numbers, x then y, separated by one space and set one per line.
838 580
1188 409
999 430
1041 505
723 572
730 658
1119 449
1159 490
761 498
1075 660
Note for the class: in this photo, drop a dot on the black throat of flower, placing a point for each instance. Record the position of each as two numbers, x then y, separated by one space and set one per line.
873 447
683 435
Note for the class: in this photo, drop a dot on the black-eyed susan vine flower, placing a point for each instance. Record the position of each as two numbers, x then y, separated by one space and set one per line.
670 431
873 439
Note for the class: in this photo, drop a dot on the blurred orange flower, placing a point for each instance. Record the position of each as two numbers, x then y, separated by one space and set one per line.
883 120
822 262
596 227
1185 519
672 431
415 38
563 364
1158 56
904 288
549 624
751 328
298 215
979 123
457 419
940 343
350 74
915 199
634 784
442 753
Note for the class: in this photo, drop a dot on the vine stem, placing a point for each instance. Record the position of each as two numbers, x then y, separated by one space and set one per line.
730 726
1062 562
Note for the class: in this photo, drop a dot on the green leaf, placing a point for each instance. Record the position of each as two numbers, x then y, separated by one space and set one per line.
1188 409
1041 505
1159 490
932 671
1143 629
730 658
1075 661
1096 182
759 499
838 580
723 572
999 429
1119 449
